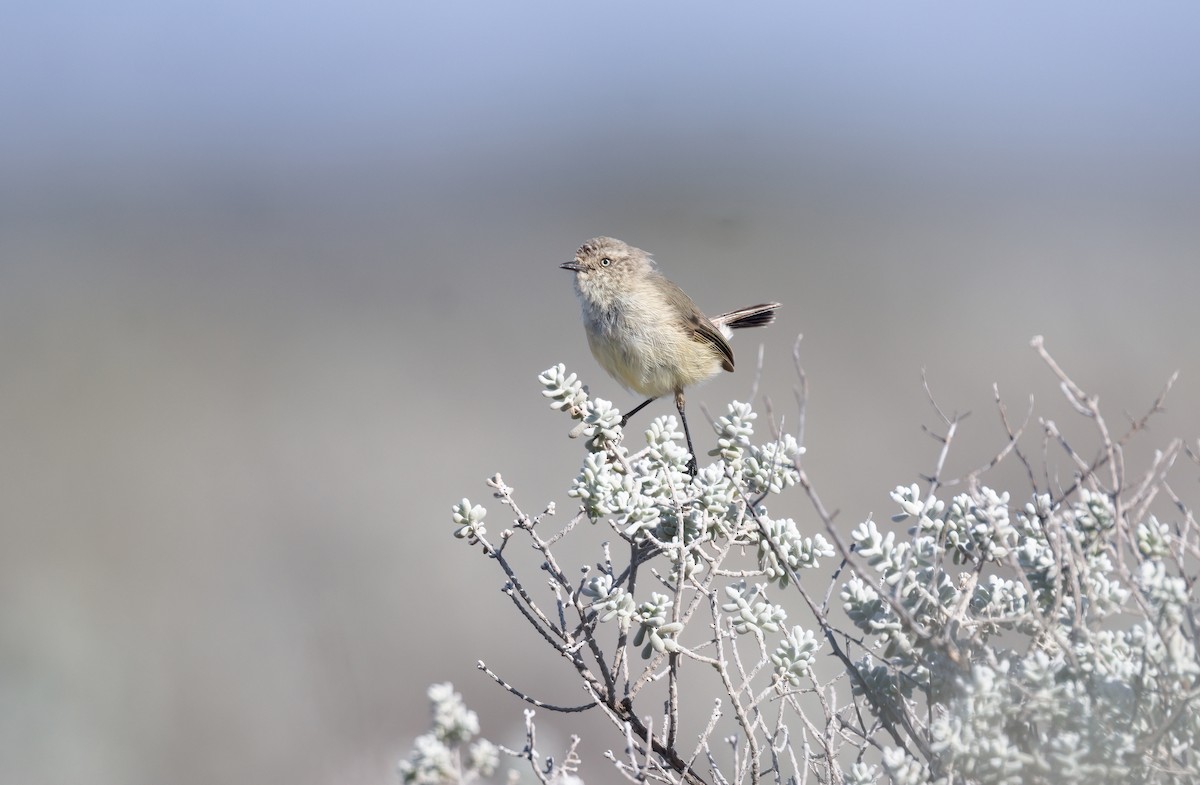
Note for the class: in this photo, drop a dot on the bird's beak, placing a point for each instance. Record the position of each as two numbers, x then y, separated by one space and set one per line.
572 266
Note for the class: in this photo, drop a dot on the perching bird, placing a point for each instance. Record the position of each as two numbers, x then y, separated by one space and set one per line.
645 331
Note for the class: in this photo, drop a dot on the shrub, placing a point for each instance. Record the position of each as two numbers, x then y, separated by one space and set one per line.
975 639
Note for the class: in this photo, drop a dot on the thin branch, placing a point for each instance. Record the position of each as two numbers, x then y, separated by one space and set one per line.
530 700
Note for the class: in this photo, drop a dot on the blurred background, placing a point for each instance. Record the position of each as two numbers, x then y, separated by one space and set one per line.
277 279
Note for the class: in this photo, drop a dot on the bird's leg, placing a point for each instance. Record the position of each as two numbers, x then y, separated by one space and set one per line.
636 409
692 466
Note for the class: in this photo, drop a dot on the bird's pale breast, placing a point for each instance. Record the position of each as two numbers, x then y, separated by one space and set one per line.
646 353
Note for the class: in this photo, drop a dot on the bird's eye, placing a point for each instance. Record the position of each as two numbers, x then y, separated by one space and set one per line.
605 262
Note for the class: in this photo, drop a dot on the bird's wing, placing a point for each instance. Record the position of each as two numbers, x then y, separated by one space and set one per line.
697 323
705 331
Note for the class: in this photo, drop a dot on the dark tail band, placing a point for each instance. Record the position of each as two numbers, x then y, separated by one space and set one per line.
754 316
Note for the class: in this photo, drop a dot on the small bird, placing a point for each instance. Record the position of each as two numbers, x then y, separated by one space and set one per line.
646 332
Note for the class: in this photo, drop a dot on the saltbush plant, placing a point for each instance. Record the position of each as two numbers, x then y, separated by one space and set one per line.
1046 635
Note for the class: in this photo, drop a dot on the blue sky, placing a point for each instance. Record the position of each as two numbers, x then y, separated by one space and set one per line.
347 81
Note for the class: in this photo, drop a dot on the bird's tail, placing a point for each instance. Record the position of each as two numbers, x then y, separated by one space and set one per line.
753 316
